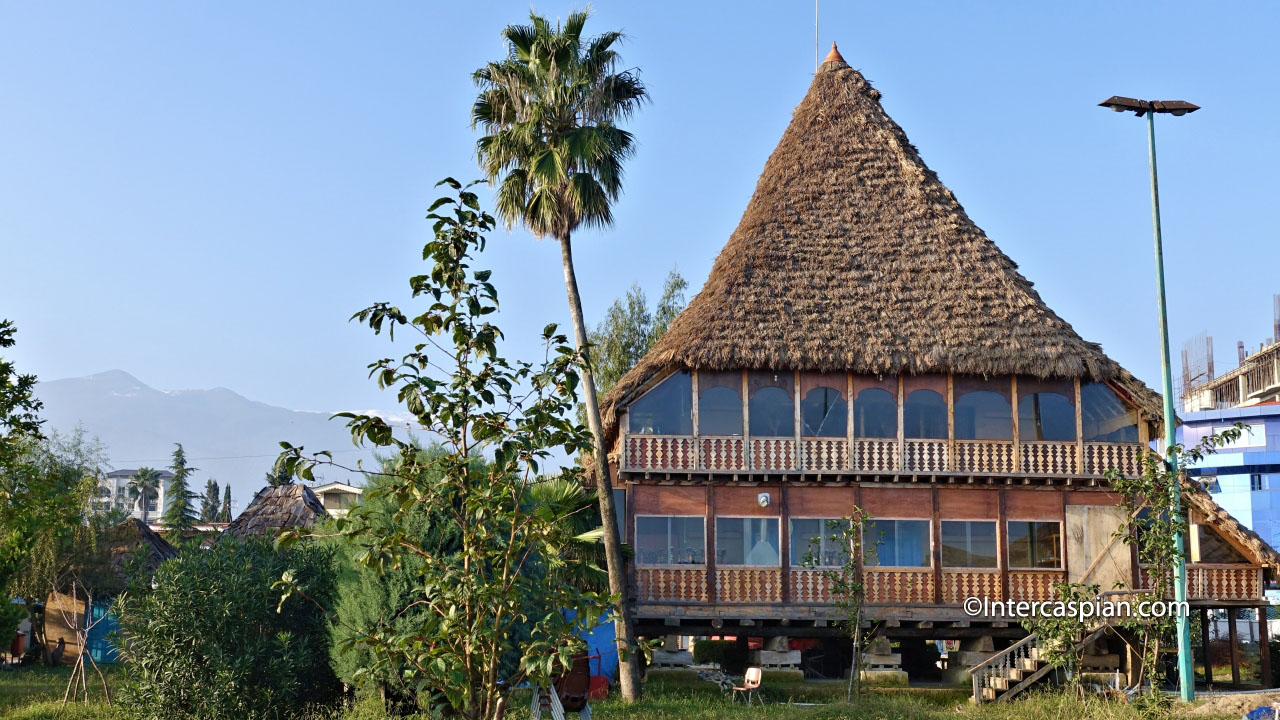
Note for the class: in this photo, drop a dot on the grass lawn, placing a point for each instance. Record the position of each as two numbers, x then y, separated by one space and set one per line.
36 694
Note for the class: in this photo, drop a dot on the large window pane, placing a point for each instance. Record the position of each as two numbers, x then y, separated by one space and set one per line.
983 410
747 541
819 538
968 544
1106 417
924 415
720 403
1035 544
895 543
665 410
1046 416
824 413
773 412
1209 547
662 540
875 414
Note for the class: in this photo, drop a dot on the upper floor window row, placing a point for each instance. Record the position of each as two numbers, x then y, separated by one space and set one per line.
982 409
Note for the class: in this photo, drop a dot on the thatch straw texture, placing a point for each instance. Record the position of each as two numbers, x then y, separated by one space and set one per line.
274 509
125 539
852 256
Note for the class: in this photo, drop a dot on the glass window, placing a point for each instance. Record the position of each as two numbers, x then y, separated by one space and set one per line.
895 543
968 543
875 414
1255 482
662 540
772 411
1046 416
1250 436
747 541
620 512
720 403
824 413
1035 544
1209 547
819 538
666 409
983 410
924 415
1106 417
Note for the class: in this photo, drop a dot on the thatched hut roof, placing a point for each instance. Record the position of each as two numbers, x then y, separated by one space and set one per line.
124 541
853 256
273 509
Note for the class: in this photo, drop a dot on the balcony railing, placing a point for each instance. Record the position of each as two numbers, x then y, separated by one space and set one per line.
1217 582
735 454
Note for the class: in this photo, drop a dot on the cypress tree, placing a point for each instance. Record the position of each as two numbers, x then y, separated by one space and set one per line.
180 511
225 515
209 503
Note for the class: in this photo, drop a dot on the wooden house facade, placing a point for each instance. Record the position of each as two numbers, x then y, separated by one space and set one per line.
861 342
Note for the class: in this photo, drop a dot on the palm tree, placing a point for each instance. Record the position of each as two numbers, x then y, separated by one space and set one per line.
548 111
144 486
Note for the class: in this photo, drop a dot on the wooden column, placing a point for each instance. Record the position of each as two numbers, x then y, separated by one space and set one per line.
1204 640
784 529
1002 543
1235 646
632 575
1080 468
746 425
902 444
1062 517
697 440
798 422
951 424
1017 435
848 425
857 508
935 532
711 543
1264 648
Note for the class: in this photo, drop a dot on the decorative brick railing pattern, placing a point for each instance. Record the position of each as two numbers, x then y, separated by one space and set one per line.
810 586
722 453
1033 585
1217 582
898 587
773 453
984 456
960 584
661 452
748 585
1049 458
825 454
875 454
1101 457
672 584
926 456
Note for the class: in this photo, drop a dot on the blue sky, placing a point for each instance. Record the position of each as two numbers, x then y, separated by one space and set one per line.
202 193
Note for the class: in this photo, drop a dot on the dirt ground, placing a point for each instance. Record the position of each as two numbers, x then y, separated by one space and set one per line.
1233 705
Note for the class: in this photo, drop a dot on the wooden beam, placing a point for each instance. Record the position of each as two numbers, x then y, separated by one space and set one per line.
697 442
1235 646
951 422
1017 437
902 443
1002 543
711 544
1264 648
746 424
784 522
797 422
1205 642
1079 432
935 532
848 423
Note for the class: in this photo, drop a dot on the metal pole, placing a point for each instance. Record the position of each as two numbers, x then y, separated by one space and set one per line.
1186 678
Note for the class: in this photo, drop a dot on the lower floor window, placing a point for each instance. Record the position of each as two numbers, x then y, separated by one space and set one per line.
968 543
895 543
662 540
1035 544
817 539
747 541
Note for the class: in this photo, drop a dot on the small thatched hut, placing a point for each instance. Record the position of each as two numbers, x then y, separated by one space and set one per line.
861 343
273 509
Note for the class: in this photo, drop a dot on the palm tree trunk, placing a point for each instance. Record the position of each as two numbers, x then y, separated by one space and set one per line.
628 659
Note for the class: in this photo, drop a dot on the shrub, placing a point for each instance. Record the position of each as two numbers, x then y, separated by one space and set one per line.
212 639
730 655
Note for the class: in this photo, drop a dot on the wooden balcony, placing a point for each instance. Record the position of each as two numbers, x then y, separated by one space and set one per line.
734 454
1218 582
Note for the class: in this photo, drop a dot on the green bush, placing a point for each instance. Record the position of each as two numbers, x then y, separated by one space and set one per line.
210 638
728 654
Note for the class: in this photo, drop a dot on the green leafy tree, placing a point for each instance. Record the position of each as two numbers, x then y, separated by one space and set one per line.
144 487
224 515
209 637
180 515
550 111
504 607
209 501
26 503
843 576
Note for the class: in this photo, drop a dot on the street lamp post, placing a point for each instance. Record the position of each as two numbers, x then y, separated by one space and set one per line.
1149 108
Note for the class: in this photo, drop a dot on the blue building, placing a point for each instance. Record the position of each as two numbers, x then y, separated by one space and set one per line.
1244 476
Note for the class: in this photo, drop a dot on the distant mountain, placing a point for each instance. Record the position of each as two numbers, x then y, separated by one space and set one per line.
229 437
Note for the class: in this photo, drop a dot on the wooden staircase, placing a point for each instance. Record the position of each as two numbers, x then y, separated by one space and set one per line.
1009 672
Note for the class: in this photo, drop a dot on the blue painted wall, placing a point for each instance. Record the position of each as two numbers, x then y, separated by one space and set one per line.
1254 502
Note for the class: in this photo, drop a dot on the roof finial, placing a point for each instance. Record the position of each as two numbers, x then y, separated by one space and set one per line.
834 56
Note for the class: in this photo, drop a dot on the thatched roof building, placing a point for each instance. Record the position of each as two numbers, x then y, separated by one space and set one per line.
133 537
273 509
852 256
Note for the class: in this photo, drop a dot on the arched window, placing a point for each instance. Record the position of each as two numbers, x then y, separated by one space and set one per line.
1046 410
875 414
719 403
1106 417
824 413
983 410
772 409
666 409
924 415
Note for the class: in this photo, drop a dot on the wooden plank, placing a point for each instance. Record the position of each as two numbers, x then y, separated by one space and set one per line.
710 526
697 442
743 502
899 502
951 422
902 443
1204 642
969 504
1235 646
822 502
746 425
935 530
1062 518
669 500
784 523
848 424
1025 504
1017 437
798 461
1002 543
1094 497
1264 648
1079 432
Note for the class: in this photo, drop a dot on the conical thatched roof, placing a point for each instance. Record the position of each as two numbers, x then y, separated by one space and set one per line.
273 509
125 540
853 256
